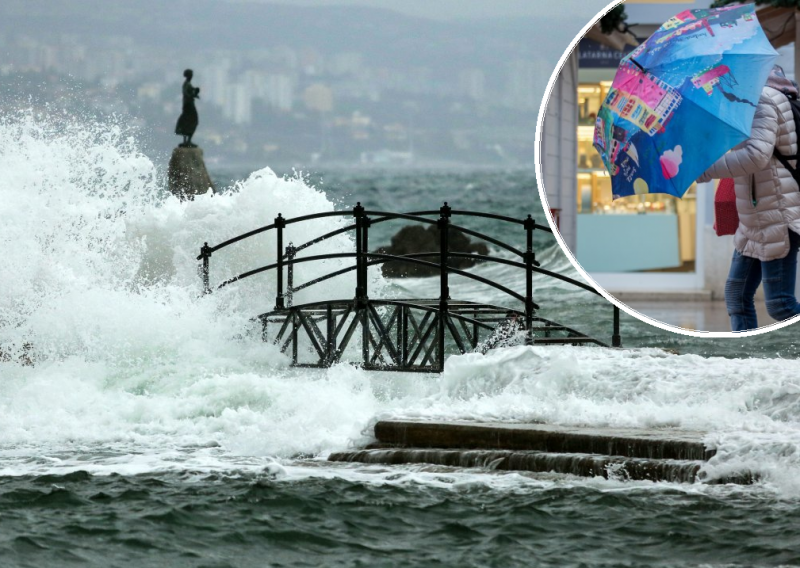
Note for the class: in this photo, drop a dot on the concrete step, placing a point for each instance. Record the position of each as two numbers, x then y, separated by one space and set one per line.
623 442
617 467
619 453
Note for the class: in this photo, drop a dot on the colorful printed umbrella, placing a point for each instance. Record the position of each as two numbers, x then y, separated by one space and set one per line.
682 99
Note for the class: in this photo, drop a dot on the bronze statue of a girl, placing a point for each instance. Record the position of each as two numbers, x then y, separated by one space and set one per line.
187 122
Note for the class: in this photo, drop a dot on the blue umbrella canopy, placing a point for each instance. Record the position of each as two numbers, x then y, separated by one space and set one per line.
682 99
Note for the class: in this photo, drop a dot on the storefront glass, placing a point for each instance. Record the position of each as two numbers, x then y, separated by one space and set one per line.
672 249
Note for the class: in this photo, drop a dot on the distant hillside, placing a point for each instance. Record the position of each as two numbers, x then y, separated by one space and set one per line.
382 35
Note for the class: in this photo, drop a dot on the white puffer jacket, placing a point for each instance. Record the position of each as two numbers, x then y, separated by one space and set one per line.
763 227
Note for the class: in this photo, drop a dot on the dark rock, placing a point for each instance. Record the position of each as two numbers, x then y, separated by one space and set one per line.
187 173
418 239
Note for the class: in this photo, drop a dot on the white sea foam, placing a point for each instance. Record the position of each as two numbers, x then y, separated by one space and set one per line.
136 371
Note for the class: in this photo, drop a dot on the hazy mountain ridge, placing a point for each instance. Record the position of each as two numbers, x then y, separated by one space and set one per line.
199 24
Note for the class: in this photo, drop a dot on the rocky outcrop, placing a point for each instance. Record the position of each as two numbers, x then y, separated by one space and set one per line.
416 239
187 173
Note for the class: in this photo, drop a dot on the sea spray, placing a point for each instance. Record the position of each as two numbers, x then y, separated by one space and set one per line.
101 293
95 248
134 370
226 418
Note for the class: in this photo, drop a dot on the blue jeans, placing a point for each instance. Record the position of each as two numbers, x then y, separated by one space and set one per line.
779 278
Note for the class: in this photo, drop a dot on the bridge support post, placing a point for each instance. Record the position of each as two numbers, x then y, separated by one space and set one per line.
364 301
616 339
295 336
444 288
330 336
365 223
280 224
361 299
398 314
291 251
358 214
404 339
205 254
530 260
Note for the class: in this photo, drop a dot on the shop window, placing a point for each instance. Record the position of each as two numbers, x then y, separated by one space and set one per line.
594 186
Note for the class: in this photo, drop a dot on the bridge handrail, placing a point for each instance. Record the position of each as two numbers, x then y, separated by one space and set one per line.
477 234
449 269
292 262
487 238
383 216
516 264
363 220
508 262
384 258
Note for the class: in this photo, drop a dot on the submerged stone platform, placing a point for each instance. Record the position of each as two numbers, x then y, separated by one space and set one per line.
537 462
624 453
629 442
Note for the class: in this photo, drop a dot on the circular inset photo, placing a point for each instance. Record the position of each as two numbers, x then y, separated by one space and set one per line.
666 158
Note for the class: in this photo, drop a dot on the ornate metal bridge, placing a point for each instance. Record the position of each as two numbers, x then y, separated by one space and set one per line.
400 334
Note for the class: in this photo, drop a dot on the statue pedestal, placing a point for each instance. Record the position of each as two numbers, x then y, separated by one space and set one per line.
187 173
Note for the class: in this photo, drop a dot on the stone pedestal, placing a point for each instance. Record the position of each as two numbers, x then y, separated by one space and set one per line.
187 173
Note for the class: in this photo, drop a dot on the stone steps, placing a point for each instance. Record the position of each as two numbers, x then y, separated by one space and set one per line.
621 453
539 462
627 442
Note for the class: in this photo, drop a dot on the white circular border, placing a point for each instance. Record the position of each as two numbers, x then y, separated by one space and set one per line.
543 196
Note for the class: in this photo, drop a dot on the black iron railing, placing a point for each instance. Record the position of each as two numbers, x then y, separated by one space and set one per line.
336 312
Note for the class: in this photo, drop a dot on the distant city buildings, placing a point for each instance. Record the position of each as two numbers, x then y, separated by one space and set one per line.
472 84
523 80
338 103
318 97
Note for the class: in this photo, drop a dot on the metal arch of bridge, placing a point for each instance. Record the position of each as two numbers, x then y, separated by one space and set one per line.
400 335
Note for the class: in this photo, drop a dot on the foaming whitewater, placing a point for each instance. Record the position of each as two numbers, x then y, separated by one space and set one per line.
134 370
101 293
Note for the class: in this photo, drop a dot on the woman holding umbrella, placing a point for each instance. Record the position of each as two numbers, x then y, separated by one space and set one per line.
686 96
768 203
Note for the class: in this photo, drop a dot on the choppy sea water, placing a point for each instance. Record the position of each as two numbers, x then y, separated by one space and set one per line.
152 429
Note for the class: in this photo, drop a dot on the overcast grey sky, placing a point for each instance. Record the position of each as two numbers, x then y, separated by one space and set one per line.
448 9
581 10
658 13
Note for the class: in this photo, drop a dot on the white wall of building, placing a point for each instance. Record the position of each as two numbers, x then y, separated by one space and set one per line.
238 103
559 147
